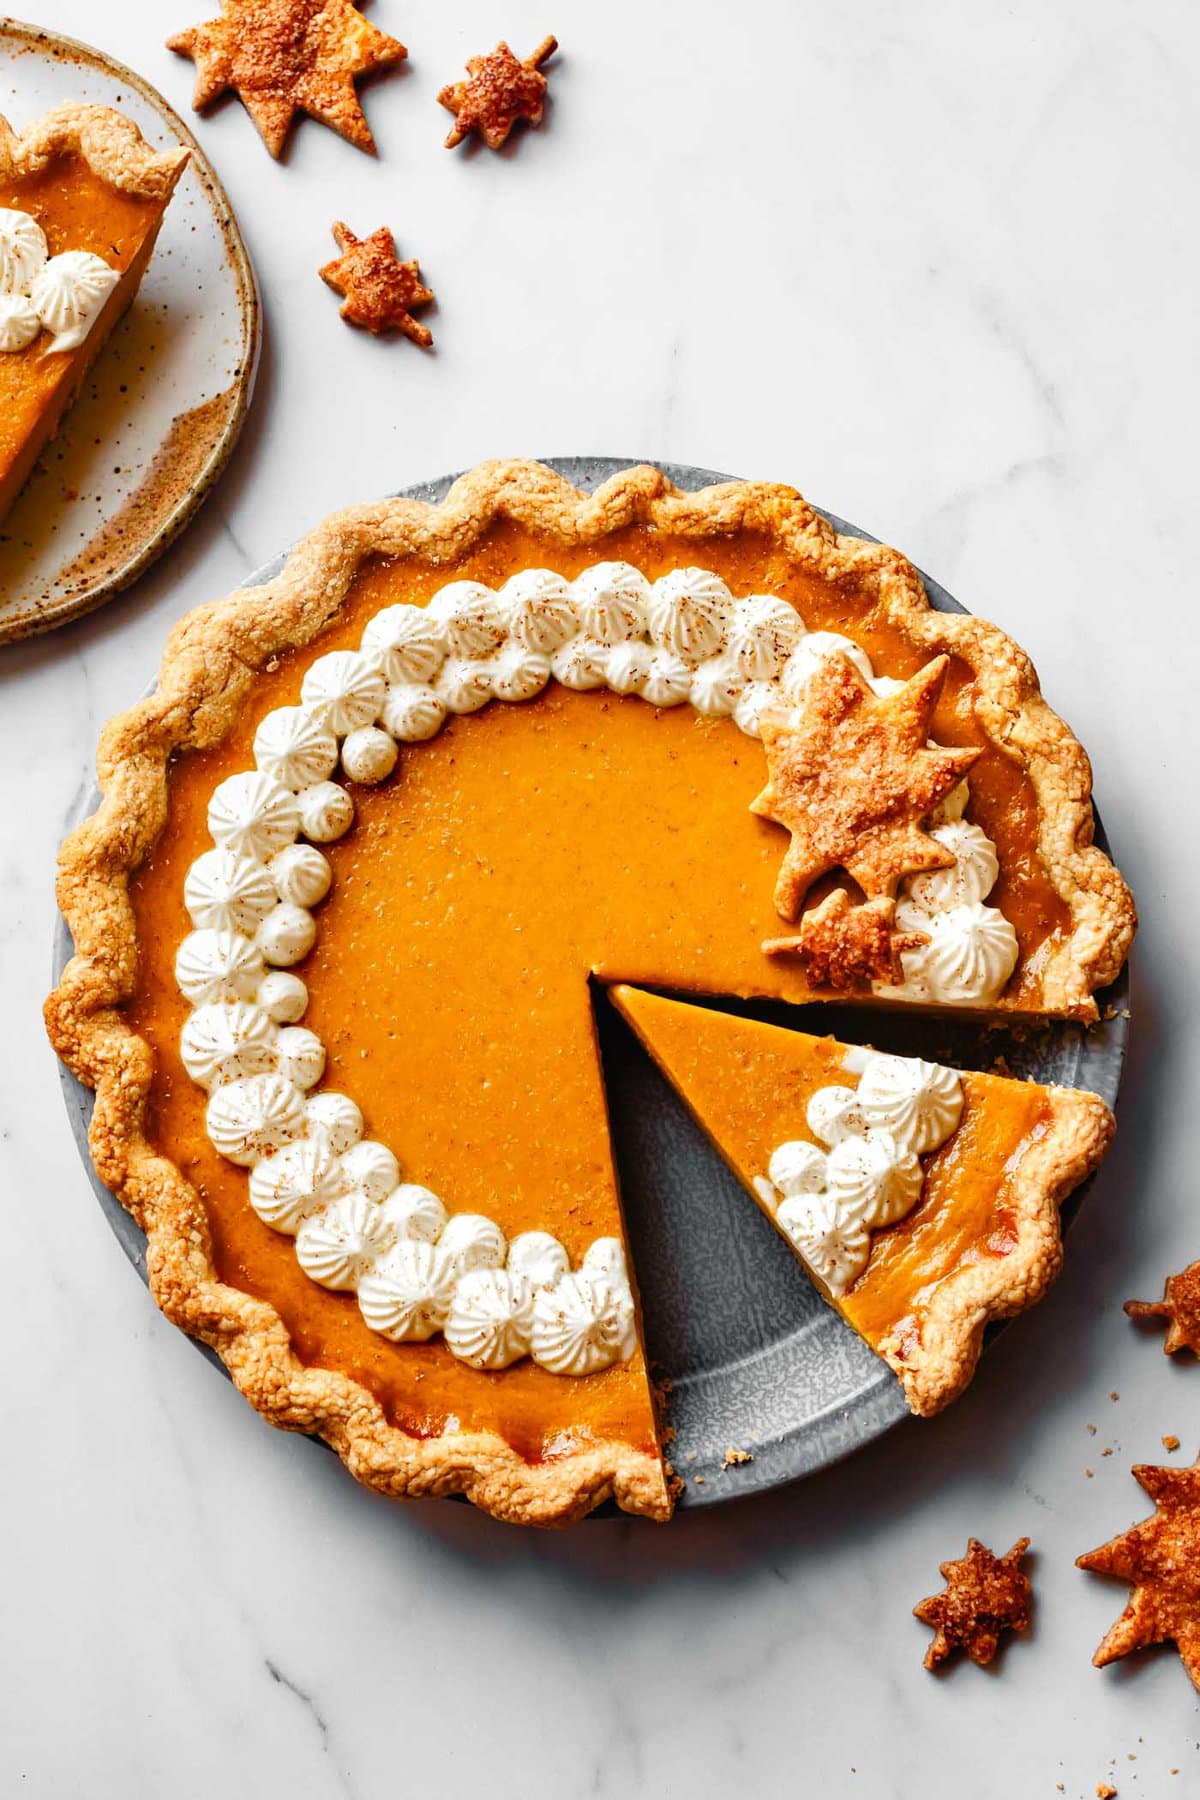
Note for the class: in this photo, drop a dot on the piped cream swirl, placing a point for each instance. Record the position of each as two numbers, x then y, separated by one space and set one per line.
828 1200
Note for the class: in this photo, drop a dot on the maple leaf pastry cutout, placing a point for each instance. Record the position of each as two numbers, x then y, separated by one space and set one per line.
281 57
843 946
983 1596
1179 1306
851 776
499 90
1160 1556
380 291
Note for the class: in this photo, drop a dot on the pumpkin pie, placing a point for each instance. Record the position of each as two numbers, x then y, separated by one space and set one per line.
82 197
381 826
923 1200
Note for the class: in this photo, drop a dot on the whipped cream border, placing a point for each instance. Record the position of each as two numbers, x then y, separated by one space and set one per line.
63 294
864 1170
416 1270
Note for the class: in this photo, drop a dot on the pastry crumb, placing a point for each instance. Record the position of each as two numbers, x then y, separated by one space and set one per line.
1091 1431
1170 1442
733 1458
1104 1791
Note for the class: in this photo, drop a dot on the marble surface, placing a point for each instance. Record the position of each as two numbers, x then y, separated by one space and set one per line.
935 266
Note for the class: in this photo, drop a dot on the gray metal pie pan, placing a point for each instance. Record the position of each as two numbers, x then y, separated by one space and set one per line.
754 1358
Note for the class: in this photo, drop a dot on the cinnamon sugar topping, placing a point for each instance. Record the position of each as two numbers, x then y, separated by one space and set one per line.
380 291
851 776
499 90
1160 1557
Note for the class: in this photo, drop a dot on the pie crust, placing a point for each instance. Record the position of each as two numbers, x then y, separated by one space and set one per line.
110 144
214 658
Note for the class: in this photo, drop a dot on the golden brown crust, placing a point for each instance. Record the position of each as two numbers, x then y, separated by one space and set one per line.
111 145
935 1357
499 90
209 667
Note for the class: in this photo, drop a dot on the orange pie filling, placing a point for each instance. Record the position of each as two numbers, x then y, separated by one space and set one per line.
487 874
789 1112
73 249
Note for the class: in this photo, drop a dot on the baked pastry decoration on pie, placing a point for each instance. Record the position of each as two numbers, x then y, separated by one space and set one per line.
82 196
358 860
923 1200
1179 1307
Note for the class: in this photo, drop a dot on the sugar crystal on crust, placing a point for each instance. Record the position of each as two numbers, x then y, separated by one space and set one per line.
984 1595
379 291
499 90
281 57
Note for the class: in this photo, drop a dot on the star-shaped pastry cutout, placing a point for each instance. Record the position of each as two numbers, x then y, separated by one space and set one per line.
1160 1556
282 57
851 776
380 291
1179 1306
499 90
984 1595
843 946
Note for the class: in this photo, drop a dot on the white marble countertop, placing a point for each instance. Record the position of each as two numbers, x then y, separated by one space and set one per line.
938 267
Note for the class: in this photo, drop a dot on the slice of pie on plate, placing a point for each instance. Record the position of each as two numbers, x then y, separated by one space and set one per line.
385 818
82 196
923 1200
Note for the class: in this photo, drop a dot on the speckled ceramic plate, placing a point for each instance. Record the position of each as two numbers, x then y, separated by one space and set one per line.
756 1360
163 406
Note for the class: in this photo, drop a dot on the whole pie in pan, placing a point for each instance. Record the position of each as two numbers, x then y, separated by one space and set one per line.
386 818
82 197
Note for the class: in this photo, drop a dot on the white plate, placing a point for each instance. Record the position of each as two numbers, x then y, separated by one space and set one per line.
162 409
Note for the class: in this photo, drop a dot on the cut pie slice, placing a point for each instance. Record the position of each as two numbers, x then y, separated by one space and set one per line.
388 816
923 1201
82 197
